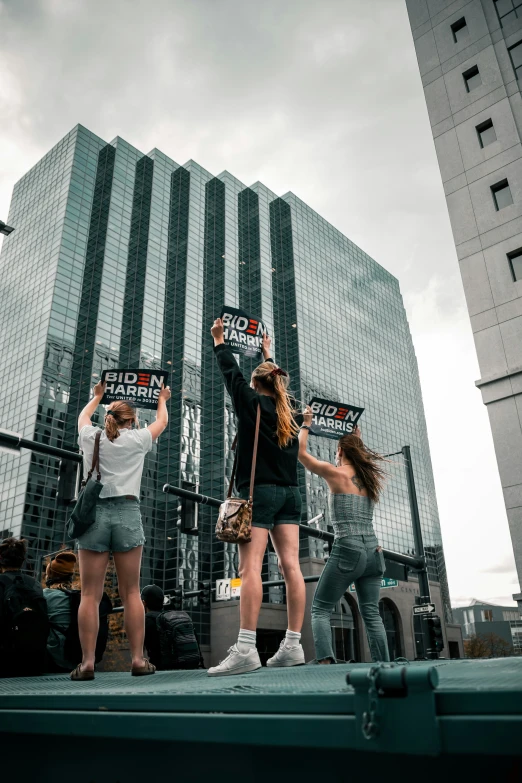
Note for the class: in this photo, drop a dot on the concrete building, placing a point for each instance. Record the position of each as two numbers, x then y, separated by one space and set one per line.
483 618
124 259
470 61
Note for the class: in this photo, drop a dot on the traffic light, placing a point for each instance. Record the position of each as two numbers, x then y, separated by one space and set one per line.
188 511
68 481
204 596
435 637
177 598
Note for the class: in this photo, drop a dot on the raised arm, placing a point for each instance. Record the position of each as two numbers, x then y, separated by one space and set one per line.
324 469
84 419
162 414
238 388
266 348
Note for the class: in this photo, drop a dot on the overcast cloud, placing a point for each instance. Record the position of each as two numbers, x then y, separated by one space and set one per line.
323 99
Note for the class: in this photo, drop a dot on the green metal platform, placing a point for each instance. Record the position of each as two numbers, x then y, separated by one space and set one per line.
447 712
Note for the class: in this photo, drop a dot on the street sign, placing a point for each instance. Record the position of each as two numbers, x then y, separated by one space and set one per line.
222 589
385 582
227 589
424 609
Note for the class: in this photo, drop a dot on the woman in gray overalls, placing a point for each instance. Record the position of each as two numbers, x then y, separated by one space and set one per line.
355 484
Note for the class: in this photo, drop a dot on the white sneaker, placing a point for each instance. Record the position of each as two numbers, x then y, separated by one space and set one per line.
236 662
287 656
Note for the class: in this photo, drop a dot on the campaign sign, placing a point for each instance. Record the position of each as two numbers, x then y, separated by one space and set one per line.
139 387
243 334
333 419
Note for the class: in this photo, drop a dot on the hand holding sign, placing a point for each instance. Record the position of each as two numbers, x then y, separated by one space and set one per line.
217 331
164 393
308 416
99 390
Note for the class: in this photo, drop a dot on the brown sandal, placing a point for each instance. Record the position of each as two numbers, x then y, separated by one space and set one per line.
142 671
80 674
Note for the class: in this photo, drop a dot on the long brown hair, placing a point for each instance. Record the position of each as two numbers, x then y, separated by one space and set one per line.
119 416
366 463
267 376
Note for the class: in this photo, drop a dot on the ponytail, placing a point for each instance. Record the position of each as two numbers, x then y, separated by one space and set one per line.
276 381
366 464
117 417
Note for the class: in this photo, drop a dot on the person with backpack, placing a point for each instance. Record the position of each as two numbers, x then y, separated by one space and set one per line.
118 527
24 623
170 637
276 506
153 599
63 601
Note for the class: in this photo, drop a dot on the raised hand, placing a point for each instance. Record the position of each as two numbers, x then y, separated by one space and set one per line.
99 390
218 332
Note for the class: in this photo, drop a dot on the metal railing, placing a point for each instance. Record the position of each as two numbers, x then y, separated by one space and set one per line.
14 442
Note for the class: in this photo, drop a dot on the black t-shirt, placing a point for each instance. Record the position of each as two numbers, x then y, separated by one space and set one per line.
152 639
275 465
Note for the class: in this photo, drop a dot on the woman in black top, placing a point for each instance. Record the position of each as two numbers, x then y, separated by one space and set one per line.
277 502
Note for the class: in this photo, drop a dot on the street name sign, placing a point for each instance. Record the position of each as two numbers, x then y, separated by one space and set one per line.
424 609
385 582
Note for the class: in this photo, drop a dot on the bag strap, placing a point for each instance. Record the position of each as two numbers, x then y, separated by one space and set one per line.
254 460
254 455
95 458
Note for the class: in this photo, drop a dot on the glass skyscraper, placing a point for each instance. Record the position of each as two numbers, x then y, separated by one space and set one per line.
122 259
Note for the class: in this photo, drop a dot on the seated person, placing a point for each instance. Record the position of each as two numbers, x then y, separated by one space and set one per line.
153 598
63 643
59 580
23 614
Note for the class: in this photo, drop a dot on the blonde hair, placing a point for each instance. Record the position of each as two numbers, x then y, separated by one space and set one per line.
119 416
267 376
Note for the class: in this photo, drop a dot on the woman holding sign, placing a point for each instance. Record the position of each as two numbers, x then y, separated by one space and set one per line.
276 505
355 484
118 527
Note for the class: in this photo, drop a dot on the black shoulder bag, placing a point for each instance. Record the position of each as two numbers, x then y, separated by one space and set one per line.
84 512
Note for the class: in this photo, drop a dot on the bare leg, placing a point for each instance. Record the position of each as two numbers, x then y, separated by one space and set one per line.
250 565
128 569
286 543
93 566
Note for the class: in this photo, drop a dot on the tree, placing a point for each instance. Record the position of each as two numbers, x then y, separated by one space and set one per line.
488 645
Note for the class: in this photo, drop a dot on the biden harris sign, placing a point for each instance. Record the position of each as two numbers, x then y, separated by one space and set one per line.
333 419
243 334
139 387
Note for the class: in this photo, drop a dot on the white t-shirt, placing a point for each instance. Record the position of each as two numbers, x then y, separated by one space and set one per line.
121 460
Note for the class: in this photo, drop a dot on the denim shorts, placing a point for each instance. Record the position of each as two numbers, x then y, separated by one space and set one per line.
274 505
118 526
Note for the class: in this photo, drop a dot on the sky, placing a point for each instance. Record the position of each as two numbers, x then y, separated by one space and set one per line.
323 99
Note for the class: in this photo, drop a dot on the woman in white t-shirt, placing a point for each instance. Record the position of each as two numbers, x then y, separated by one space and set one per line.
118 527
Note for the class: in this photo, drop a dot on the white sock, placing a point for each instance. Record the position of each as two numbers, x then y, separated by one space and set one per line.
292 638
246 641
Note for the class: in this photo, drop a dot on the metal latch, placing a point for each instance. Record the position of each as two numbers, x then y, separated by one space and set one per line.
395 708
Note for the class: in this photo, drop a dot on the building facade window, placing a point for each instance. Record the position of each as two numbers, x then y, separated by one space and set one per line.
515 262
508 10
487 615
460 30
502 194
511 614
472 78
486 133
515 52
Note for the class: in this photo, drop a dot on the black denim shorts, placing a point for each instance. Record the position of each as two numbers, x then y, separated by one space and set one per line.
274 505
